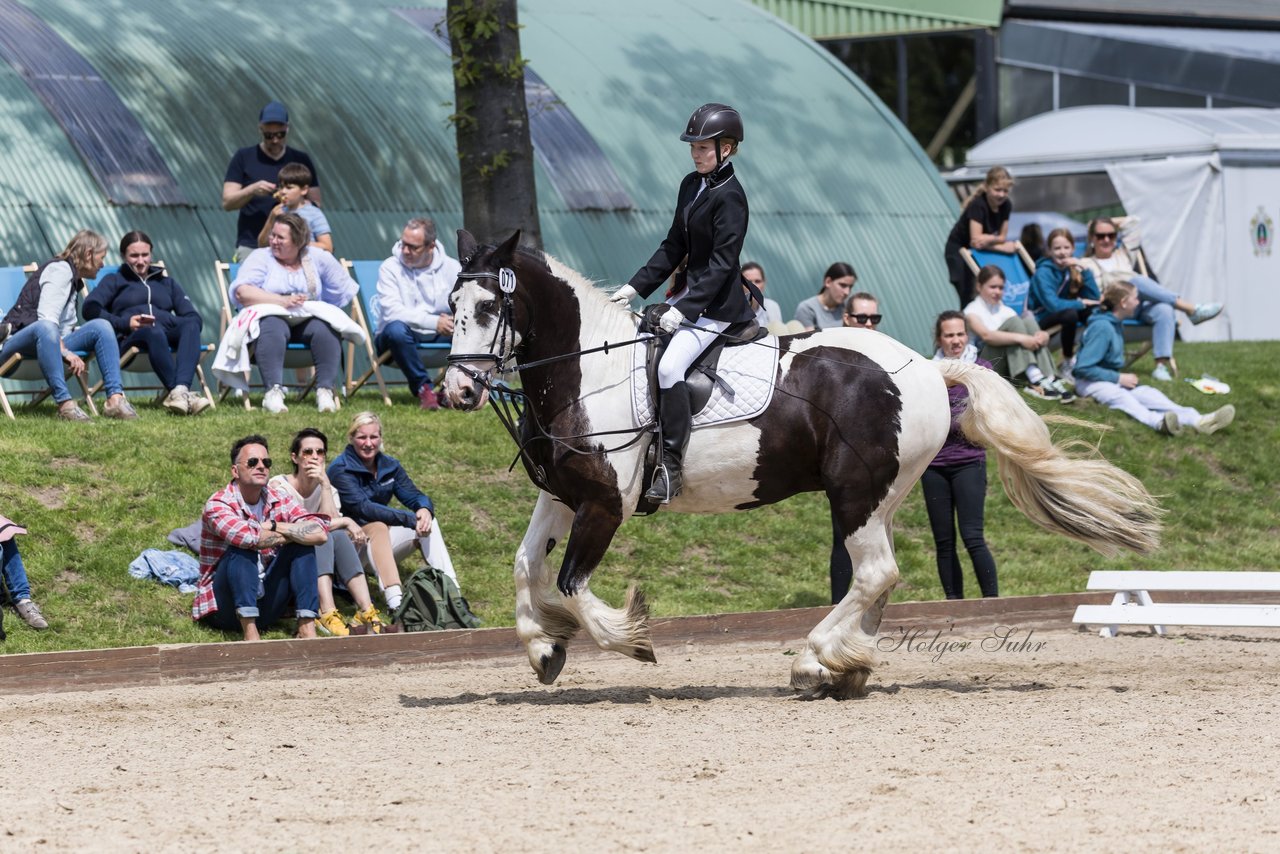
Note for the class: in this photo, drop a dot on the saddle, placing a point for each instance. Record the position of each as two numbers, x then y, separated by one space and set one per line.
702 376
727 382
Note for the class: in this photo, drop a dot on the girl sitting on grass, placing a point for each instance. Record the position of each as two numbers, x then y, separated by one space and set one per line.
1101 360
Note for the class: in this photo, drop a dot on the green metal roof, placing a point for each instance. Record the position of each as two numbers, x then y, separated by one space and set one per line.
842 19
830 174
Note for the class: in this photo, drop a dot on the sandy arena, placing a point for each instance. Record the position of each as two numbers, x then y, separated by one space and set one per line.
1139 742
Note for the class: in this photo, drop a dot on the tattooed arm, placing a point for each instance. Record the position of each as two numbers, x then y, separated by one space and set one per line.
306 532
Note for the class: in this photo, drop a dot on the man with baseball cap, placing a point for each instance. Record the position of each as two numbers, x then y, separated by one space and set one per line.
250 183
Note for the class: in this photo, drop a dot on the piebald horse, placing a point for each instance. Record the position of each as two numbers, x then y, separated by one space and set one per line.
855 415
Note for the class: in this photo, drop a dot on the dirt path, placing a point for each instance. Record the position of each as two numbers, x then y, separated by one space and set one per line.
1137 742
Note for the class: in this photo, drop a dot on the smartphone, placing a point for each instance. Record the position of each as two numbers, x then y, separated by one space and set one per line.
147 319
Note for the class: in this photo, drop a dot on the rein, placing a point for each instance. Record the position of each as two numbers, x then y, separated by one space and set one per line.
511 404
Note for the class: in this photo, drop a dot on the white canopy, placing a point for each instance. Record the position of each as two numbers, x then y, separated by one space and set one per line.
1204 183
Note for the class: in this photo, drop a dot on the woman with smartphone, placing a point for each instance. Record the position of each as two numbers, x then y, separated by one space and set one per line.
150 311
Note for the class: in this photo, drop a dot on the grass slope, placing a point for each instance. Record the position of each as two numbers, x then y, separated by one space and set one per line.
94 496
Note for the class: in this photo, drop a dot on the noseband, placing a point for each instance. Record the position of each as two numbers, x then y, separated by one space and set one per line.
506 279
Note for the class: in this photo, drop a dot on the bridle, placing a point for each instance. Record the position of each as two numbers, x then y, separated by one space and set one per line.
506 279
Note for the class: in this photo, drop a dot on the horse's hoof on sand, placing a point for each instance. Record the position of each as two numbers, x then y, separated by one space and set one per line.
820 683
550 665
645 654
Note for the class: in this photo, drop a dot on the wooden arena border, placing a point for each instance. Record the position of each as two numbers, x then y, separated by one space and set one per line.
100 669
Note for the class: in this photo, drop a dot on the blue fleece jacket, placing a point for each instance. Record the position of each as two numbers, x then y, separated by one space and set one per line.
1101 354
365 496
123 293
1049 289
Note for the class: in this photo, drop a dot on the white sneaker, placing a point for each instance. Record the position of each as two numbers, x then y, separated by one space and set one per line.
197 403
273 400
1216 420
1161 373
176 400
325 401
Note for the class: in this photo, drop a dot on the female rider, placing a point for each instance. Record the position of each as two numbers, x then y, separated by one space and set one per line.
702 249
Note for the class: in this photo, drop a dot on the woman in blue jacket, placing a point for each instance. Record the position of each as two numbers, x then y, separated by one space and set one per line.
367 480
1101 362
150 311
1063 291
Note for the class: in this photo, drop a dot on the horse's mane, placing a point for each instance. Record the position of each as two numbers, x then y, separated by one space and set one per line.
592 299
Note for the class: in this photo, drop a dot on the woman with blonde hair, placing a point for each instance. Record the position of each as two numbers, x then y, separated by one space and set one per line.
983 224
1100 365
367 479
42 324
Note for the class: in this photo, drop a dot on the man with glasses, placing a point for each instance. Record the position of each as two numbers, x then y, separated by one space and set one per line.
250 182
862 311
413 303
257 551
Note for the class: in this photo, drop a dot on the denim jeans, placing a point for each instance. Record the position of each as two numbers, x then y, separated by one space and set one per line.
15 574
40 339
291 575
159 342
1155 308
403 343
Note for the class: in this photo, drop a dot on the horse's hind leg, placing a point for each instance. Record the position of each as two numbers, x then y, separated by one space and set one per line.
840 651
543 625
624 630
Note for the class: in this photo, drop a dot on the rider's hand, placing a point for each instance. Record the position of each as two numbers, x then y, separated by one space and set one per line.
623 295
671 320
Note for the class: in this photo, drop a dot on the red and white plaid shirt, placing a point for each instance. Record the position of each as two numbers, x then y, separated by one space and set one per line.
228 521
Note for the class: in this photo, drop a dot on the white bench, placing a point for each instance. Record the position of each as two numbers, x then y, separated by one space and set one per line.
1132 604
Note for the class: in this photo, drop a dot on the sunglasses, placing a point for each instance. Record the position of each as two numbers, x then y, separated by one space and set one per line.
253 462
309 452
1104 235
270 135
864 319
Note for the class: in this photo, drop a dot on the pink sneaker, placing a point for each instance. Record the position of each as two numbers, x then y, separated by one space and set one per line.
427 397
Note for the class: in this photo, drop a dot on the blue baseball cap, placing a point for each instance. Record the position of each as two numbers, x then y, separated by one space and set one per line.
274 113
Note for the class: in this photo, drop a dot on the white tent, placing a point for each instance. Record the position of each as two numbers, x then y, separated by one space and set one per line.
1205 184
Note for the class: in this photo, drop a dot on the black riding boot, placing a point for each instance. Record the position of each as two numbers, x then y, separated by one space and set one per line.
677 423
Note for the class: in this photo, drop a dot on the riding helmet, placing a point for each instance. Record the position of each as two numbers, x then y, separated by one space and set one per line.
712 121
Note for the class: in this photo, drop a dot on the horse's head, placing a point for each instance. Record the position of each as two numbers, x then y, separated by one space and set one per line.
485 332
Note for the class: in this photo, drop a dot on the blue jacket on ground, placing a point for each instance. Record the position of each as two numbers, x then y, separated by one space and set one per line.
122 294
1049 289
365 497
1101 354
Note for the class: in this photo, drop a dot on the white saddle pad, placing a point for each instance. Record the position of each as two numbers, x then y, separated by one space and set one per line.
748 371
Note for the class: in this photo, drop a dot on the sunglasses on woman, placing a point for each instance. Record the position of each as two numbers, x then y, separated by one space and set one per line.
864 319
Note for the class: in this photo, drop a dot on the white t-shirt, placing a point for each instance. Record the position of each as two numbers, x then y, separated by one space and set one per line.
312 501
990 318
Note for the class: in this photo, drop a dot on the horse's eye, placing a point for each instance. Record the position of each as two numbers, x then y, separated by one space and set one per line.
489 306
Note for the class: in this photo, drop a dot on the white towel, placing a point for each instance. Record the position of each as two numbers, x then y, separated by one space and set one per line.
231 362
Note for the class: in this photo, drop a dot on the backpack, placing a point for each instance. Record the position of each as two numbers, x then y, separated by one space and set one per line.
432 601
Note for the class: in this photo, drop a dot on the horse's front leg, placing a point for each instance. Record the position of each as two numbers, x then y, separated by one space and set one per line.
542 623
624 630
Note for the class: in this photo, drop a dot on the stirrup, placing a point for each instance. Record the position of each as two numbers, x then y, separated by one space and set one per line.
660 488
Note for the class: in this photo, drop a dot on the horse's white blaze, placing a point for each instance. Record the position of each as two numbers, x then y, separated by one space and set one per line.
471 336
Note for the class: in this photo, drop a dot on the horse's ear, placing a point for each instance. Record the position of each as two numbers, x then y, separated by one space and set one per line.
504 253
466 244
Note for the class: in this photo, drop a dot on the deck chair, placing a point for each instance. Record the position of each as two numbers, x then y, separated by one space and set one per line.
297 355
135 361
434 354
26 369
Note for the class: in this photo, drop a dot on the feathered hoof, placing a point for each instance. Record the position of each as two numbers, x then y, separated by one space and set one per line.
815 682
549 665
639 641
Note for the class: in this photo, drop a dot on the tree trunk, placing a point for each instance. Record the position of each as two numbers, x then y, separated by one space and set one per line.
495 153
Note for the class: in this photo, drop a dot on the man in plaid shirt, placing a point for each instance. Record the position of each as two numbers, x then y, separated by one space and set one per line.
257 551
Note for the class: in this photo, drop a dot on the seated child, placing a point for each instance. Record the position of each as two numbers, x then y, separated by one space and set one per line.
1014 344
295 182
1101 358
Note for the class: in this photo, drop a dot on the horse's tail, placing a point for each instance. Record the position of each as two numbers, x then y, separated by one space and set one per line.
1084 498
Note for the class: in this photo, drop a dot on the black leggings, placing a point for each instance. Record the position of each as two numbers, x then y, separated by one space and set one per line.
1070 318
957 494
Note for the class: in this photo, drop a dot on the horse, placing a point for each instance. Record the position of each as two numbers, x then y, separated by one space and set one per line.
854 414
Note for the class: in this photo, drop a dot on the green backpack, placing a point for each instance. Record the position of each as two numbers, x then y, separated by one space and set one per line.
432 601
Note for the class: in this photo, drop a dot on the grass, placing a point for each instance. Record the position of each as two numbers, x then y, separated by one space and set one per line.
94 496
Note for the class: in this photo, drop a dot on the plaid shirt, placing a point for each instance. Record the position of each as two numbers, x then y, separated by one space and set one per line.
227 521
